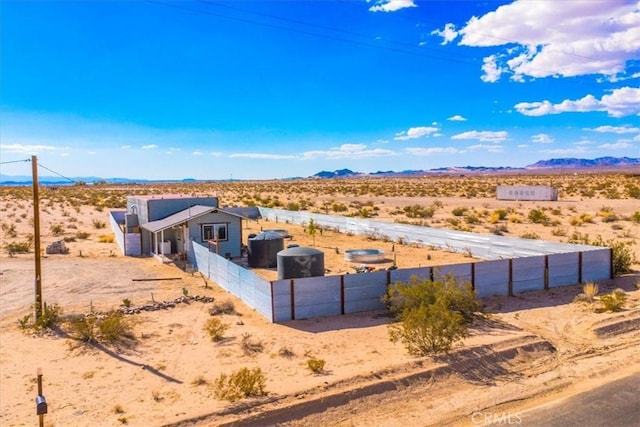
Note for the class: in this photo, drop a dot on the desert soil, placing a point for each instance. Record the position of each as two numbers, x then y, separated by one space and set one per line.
529 348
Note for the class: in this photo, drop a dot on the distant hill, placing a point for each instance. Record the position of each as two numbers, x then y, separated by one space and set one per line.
608 163
569 163
585 163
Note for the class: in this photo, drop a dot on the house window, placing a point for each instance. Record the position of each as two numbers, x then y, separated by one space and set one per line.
210 231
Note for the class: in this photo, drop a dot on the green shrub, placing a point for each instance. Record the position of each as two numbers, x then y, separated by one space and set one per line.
18 248
50 318
459 211
316 365
240 384
216 328
622 254
614 301
432 315
110 328
537 216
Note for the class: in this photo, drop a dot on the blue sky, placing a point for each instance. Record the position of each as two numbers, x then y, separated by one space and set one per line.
272 89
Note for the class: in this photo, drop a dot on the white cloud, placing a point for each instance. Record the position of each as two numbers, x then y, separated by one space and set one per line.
542 138
457 118
491 70
486 136
197 153
565 151
415 132
557 38
421 151
492 148
448 33
621 102
615 129
616 146
391 5
348 151
27 148
264 156
215 154
149 147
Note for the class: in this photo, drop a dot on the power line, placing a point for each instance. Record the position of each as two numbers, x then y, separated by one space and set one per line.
56 173
15 161
311 33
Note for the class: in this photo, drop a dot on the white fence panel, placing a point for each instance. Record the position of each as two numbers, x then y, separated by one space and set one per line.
262 296
563 269
596 265
317 297
281 295
404 274
363 292
461 272
492 278
528 274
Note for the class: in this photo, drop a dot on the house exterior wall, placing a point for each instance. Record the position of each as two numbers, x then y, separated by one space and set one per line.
233 243
149 208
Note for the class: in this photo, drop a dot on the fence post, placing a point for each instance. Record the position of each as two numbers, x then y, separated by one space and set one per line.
341 294
546 272
473 276
510 277
293 299
580 267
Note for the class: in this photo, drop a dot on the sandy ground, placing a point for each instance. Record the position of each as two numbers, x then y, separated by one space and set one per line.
530 346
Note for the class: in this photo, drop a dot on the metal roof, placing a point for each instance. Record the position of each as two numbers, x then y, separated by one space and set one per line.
183 216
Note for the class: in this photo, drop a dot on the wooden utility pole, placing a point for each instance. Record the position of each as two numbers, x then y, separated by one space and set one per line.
36 237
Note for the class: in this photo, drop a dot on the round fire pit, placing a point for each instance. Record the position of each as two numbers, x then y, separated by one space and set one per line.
364 255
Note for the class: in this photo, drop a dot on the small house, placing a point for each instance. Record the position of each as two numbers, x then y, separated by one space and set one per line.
166 225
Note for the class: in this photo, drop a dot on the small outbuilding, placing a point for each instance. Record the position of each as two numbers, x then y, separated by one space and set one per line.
527 192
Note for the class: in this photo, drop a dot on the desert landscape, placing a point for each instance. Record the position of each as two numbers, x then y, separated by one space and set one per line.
522 351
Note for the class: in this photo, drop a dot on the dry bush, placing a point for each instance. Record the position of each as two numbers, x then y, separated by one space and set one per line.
216 329
240 384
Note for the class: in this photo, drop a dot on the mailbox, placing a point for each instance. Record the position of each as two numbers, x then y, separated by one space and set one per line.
41 405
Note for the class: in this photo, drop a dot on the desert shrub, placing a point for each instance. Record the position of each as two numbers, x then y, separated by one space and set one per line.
635 217
589 292
82 235
286 352
18 247
459 211
50 317
316 365
251 345
515 218
216 328
614 301
240 384
83 328
538 216
97 224
432 315
417 211
530 235
559 232
56 229
223 307
115 328
110 328
106 238
69 239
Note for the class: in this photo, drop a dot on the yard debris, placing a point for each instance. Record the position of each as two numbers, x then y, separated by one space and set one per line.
57 247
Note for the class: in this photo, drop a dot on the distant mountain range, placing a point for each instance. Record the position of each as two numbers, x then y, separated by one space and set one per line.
608 163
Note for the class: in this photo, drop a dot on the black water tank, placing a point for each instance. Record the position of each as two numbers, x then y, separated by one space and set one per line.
299 262
263 250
